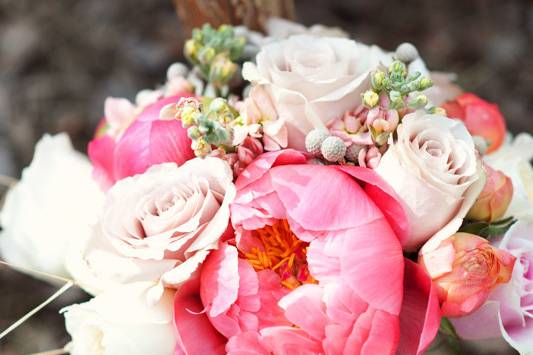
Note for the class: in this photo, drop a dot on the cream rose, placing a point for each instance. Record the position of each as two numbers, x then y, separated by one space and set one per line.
434 169
514 159
51 209
157 226
312 80
119 321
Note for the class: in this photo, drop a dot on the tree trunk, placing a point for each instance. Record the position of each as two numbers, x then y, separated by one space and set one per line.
251 13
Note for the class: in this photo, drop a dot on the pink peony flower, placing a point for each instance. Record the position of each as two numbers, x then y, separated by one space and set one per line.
481 117
312 269
509 309
466 268
147 141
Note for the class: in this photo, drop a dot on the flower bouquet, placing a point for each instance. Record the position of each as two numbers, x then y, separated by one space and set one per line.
299 193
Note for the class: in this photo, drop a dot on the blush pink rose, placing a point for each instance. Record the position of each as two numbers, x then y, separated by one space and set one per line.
302 257
466 268
158 226
145 140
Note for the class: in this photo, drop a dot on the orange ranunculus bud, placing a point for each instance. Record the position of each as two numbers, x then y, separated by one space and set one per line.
480 117
466 268
493 201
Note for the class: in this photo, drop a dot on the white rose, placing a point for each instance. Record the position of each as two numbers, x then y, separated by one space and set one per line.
157 226
51 209
433 168
313 80
514 160
120 321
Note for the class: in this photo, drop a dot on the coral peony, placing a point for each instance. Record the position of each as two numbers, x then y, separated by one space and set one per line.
481 117
466 268
147 141
311 269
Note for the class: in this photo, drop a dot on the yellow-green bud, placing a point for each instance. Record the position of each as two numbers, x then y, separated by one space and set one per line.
424 83
370 98
420 101
187 116
439 111
377 80
398 67
222 70
206 55
191 49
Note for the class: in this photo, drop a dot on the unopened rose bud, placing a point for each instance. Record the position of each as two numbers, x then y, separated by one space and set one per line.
466 268
370 98
494 199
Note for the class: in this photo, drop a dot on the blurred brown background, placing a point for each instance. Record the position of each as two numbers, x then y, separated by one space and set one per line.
59 59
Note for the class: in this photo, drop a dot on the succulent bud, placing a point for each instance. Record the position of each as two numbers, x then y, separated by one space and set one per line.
206 55
493 201
314 140
370 98
191 49
377 80
398 68
419 101
424 83
333 149
222 70
438 111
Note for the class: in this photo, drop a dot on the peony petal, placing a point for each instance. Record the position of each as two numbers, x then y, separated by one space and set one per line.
372 257
220 280
305 309
196 334
420 315
246 343
384 197
290 341
101 153
169 143
264 162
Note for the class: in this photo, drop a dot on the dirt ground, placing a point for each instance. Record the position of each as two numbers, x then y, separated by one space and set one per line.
59 59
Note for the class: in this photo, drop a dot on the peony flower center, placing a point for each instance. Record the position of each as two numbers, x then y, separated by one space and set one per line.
281 251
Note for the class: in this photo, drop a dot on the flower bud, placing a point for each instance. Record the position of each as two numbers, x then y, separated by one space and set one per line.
191 49
424 83
494 199
397 69
419 101
377 80
370 98
222 70
206 55
187 116
466 268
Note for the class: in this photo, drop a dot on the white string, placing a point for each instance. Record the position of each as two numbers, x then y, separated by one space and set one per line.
37 309
36 272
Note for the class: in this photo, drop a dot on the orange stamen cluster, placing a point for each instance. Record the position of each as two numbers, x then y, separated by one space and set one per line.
281 251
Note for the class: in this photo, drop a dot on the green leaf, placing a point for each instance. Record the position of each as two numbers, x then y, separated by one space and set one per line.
488 230
448 331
